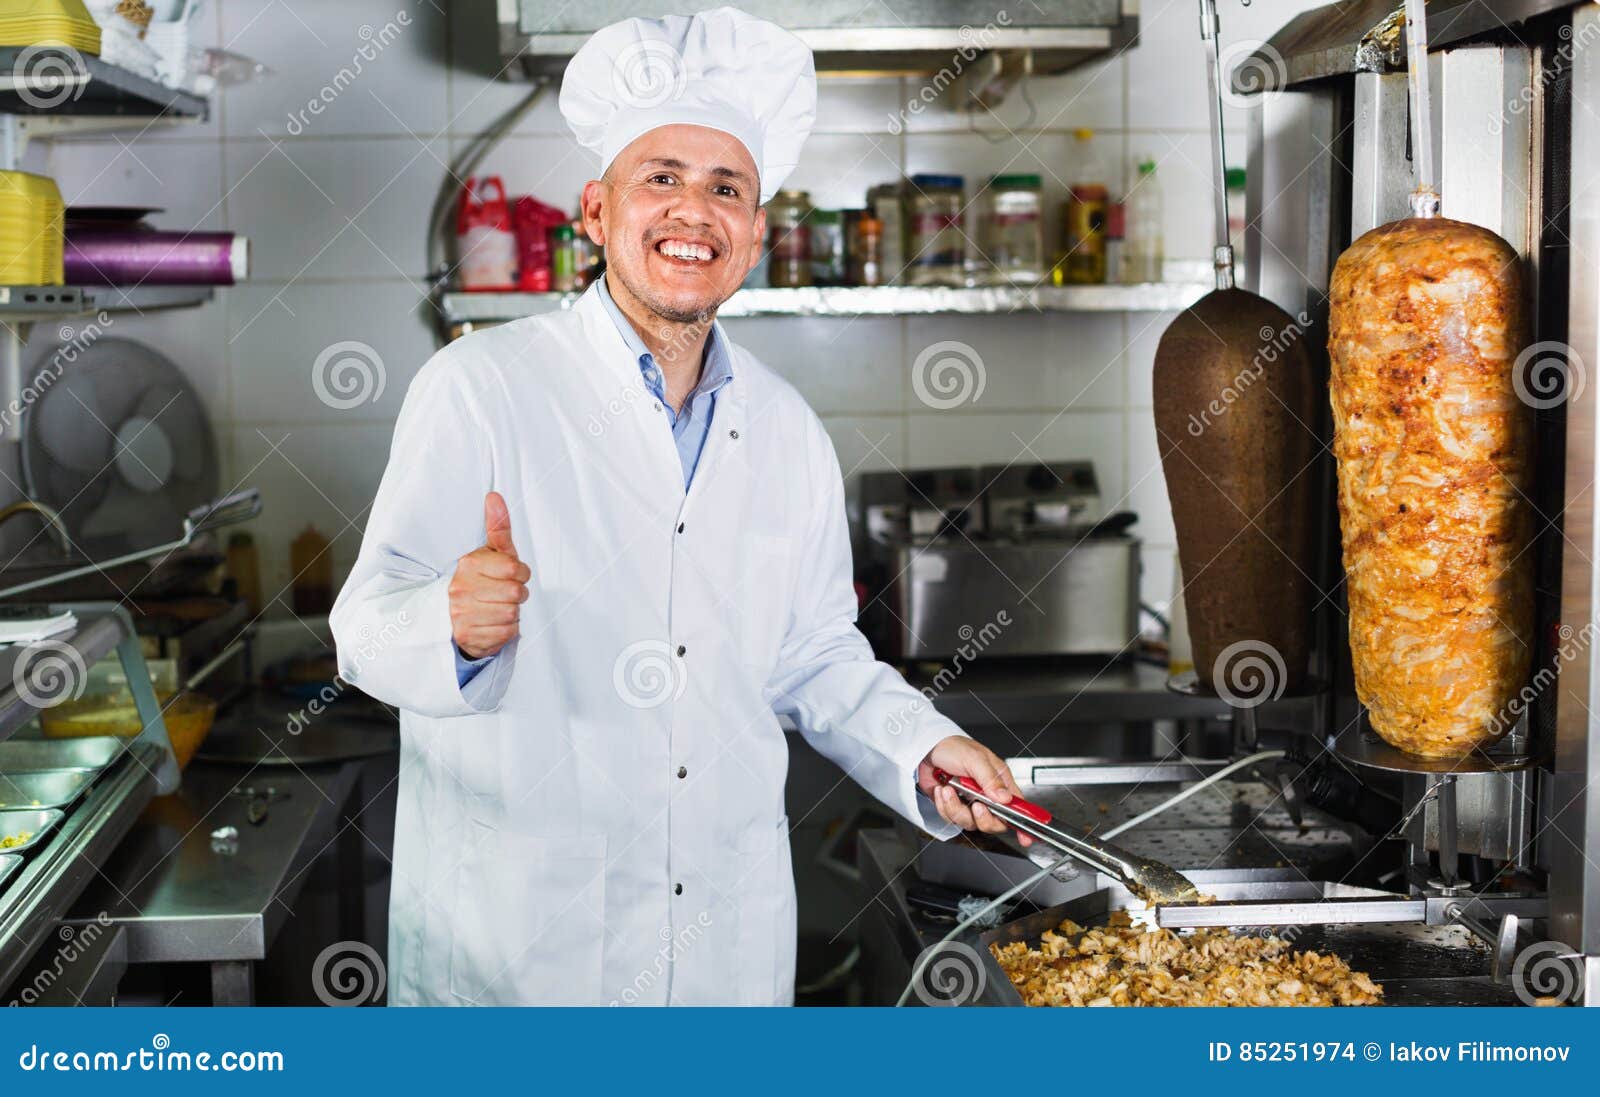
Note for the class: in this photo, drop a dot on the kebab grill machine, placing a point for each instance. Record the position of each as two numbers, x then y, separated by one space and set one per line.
1390 522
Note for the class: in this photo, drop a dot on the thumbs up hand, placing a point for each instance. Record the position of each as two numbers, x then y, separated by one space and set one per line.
489 585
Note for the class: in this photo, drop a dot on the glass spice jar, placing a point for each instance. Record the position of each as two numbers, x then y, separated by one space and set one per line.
789 239
937 245
866 258
1013 238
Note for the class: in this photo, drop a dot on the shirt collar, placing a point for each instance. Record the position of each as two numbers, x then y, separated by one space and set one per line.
717 368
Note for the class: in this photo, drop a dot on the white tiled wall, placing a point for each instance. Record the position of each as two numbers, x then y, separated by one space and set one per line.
336 213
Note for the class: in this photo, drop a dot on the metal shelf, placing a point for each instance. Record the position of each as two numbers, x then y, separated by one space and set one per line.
95 88
850 301
27 302
146 298
38 302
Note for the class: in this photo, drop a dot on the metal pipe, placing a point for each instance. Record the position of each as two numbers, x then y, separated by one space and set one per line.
52 520
1425 199
1211 33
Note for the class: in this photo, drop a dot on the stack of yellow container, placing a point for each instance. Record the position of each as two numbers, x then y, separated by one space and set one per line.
32 223
48 22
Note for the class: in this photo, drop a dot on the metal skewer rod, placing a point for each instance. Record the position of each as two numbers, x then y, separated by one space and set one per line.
1210 32
1425 199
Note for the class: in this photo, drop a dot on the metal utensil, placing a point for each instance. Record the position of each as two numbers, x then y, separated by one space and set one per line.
1151 880
94 752
46 788
229 510
34 822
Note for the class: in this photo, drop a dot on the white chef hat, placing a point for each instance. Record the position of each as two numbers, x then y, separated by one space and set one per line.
724 69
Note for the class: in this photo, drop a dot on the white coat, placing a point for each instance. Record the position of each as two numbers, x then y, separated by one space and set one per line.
599 816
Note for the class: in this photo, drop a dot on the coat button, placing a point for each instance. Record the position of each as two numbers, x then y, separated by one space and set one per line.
680 527
682 651
683 771
677 889
734 435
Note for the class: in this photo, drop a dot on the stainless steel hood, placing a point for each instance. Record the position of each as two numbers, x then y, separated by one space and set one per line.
907 36
1368 36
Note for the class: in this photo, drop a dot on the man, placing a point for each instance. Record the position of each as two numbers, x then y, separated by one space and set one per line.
609 548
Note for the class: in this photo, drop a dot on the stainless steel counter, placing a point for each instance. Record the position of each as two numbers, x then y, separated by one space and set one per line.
180 896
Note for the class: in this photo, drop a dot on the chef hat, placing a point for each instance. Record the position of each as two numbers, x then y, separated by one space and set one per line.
724 69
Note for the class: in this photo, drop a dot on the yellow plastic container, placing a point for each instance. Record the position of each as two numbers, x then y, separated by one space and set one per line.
32 230
49 22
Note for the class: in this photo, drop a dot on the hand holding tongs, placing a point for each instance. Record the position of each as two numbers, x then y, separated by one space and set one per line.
1150 880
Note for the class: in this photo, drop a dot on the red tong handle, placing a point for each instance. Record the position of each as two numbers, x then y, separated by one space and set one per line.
1017 804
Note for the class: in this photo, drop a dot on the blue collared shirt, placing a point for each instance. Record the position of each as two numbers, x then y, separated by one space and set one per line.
691 425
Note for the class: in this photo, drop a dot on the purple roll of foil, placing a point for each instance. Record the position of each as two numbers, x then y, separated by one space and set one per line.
111 257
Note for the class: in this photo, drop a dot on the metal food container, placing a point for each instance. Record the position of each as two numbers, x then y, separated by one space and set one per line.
45 788
36 823
32 755
1416 964
8 866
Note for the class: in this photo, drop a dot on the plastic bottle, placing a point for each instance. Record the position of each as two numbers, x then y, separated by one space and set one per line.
563 259
1235 180
1142 251
1085 257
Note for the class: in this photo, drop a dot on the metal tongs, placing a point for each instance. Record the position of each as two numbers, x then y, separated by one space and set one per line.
1151 881
241 506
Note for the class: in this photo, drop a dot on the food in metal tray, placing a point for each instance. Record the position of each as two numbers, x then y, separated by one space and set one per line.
1124 965
1435 454
20 839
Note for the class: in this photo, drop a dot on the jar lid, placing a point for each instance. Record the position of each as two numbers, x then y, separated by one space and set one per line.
939 182
793 196
825 216
1235 178
1015 182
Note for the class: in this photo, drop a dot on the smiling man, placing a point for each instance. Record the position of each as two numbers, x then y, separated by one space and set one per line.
609 551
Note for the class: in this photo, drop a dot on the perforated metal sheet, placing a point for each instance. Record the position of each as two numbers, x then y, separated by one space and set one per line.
1232 825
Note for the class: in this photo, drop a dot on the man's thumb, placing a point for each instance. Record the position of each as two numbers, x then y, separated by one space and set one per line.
497 524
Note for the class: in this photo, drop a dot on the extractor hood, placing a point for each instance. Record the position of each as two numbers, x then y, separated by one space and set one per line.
1369 36
928 37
